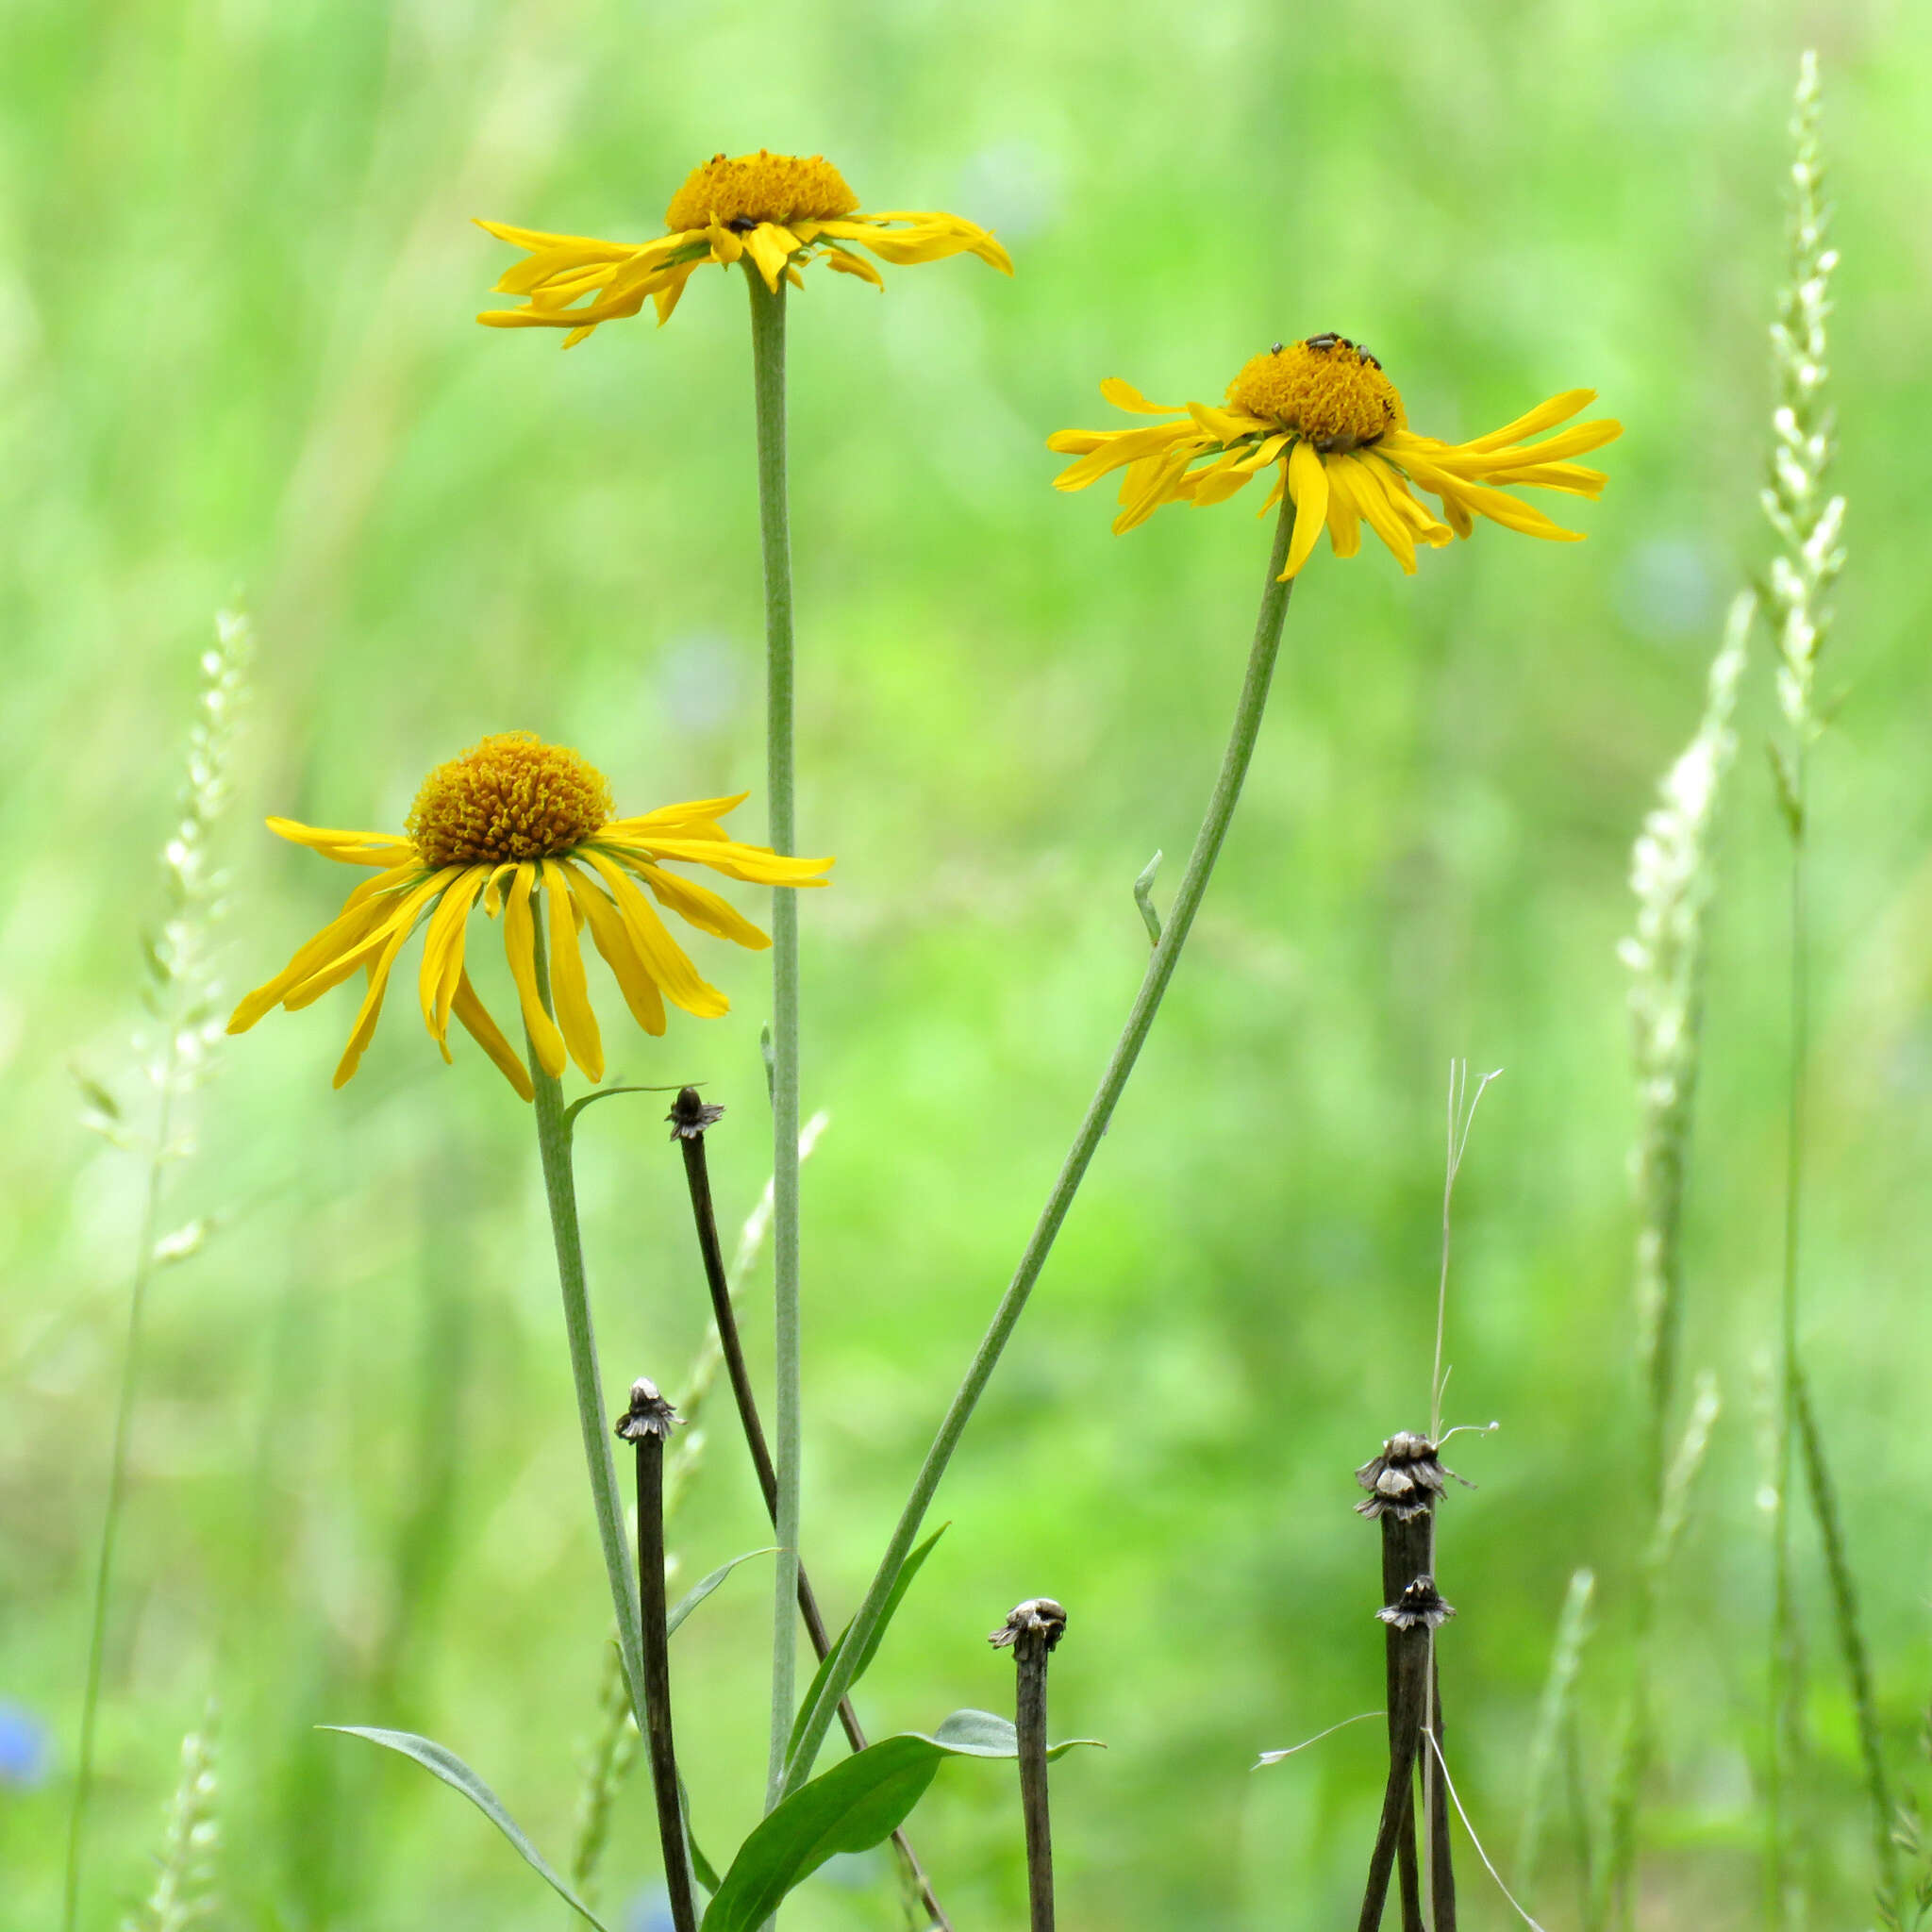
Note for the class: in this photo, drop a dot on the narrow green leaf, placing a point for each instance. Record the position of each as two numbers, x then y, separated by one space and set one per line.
901 1584
576 1107
96 1096
859 1803
699 1591
443 1763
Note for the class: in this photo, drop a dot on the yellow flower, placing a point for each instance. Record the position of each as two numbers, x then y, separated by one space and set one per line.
523 825
1323 411
775 208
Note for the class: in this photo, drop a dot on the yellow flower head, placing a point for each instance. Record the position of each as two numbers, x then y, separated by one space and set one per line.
778 210
522 824
1323 411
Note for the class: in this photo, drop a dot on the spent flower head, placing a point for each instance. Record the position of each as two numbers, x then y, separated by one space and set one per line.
779 212
1322 411
519 824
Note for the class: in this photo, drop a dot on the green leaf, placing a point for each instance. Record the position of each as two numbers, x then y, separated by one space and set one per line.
96 1096
576 1107
901 1584
699 1591
445 1764
859 1803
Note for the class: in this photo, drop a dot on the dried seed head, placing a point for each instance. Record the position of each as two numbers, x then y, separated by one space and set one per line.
1418 1604
1038 1617
690 1116
649 1414
1406 1480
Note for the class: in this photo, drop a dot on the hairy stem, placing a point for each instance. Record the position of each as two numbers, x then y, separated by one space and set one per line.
559 1188
1160 968
774 532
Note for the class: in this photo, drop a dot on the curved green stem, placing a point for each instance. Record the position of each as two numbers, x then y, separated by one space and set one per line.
768 382
559 1188
1160 968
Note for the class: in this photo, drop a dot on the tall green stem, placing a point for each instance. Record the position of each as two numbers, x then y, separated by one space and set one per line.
1160 968
774 533
117 1491
559 1188
1787 1670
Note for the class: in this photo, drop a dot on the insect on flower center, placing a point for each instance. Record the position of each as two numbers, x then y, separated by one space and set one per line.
510 797
743 192
1328 387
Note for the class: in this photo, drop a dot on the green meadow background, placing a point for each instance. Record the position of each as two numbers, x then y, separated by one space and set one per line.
237 281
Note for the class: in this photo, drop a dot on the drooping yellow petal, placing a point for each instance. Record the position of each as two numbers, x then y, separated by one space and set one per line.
364 908
1150 487
1372 500
1344 514
846 263
662 958
1308 483
702 908
695 813
1127 447
771 247
568 986
399 919
607 933
365 1028
483 1030
520 944
1123 395
345 848
443 955
757 865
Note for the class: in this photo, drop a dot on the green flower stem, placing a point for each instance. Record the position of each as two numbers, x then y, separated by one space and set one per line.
768 382
559 1188
1160 968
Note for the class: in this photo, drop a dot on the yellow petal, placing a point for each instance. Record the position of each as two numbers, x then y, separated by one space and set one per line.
483 1030
703 909
401 911
639 989
1541 417
568 986
347 848
1344 516
520 944
1308 483
770 245
758 865
1123 395
364 908
365 1028
662 958
1372 500
847 263
443 955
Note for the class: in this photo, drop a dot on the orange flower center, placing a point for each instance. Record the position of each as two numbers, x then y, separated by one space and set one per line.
742 193
510 797
1328 388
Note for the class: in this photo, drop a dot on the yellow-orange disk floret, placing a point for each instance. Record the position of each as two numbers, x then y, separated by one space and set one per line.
1325 389
508 798
741 192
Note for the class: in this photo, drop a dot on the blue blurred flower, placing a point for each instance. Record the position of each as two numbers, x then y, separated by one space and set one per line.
23 1754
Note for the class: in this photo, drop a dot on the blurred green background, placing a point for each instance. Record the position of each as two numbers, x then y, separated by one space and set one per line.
236 283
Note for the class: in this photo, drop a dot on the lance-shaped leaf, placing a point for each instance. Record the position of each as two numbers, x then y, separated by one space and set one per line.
444 1763
857 1803
699 1591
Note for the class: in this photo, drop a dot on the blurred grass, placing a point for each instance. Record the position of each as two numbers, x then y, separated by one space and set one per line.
235 290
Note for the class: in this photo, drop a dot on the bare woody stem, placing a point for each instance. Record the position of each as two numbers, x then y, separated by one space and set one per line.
690 1118
1154 984
1032 1629
649 1420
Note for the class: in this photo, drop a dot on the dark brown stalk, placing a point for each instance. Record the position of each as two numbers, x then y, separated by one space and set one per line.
1441 1870
1405 1482
690 1116
645 1424
1031 1631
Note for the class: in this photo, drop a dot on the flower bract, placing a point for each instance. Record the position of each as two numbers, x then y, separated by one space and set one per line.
778 211
526 830
1323 414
